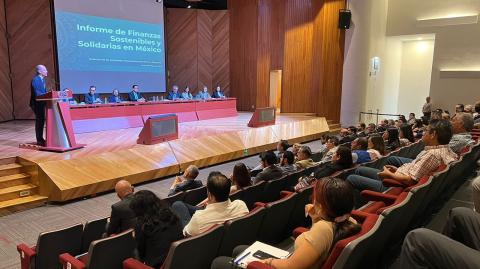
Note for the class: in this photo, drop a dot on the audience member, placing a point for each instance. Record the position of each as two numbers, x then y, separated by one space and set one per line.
174 94
203 94
462 125
157 227
459 108
115 97
218 210
287 163
186 182
135 95
427 109
240 178
476 115
304 159
330 214
348 135
391 123
457 247
376 147
218 93
331 148
359 150
418 128
186 94
270 170
406 135
437 115
282 147
340 161
362 130
437 152
295 149
411 119
91 97
122 217
391 137
371 129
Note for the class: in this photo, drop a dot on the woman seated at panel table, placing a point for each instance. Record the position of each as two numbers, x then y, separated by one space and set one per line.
218 93
186 94
203 94
115 97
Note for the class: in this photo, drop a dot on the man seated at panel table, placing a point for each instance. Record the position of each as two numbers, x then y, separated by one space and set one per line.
203 94
115 97
91 97
186 94
218 93
135 95
174 94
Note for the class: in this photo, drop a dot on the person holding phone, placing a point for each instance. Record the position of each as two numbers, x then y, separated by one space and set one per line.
330 214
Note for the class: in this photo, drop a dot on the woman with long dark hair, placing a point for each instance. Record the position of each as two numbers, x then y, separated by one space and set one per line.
406 135
240 177
376 147
392 142
157 227
330 213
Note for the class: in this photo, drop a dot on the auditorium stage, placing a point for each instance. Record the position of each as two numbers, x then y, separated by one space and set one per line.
113 155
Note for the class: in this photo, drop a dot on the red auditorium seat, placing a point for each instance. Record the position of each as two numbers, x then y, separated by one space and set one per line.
93 231
104 253
195 196
193 252
369 222
49 245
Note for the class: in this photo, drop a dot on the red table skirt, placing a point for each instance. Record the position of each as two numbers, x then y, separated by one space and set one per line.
102 117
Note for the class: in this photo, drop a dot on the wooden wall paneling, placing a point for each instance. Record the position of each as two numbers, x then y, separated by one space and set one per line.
6 109
243 52
182 42
204 49
30 44
264 49
220 50
297 91
332 59
277 33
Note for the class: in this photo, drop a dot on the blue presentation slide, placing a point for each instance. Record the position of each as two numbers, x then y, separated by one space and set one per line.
109 53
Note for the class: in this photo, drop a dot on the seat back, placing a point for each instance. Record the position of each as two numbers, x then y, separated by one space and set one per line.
253 194
110 252
275 223
176 197
93 231
53 243
291 180
241 231
272 190
352 251
238 195
298 219
195 196
195 252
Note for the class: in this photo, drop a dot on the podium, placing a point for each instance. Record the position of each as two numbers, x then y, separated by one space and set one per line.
262 117
60 136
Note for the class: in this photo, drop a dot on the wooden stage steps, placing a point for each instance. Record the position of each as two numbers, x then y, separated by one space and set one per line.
17 191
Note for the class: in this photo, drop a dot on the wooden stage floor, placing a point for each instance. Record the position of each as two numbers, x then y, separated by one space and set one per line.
113 155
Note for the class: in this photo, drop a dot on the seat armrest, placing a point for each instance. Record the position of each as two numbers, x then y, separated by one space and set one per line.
359 216
298 231
132 263
388 182
258 265
284 194
388 199
27 254
259 204
69 262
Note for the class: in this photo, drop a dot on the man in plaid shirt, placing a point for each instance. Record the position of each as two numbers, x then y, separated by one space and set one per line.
436 152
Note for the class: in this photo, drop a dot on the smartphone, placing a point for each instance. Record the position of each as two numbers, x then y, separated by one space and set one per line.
263 255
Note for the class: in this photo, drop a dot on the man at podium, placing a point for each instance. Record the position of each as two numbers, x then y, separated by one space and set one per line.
38 87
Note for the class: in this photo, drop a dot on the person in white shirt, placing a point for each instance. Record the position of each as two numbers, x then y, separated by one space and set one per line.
218 210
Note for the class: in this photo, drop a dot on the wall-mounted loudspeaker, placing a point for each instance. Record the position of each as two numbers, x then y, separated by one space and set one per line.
344 19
